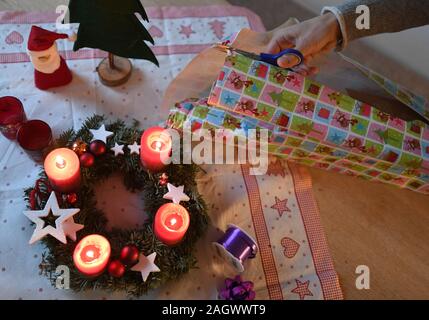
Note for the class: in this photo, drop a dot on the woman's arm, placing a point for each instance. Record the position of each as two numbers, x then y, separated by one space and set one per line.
337 26
385 16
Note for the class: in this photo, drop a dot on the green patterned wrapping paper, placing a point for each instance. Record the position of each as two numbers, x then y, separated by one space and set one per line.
196 114
322 127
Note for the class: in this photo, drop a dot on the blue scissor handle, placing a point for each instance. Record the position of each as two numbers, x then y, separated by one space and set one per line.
272 58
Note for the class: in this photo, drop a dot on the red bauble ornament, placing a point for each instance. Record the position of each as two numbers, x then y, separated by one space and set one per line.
116 268
129 255
72 198
87 159
97 147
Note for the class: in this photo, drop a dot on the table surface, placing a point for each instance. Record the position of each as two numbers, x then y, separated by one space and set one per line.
380 226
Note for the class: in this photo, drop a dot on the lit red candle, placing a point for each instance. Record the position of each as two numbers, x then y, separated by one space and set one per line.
91 255
171 223
155 148
63 170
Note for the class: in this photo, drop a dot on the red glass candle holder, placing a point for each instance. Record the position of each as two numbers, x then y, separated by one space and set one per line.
12 115
35 137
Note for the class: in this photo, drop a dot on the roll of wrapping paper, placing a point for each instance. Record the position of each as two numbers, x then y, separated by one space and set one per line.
235 247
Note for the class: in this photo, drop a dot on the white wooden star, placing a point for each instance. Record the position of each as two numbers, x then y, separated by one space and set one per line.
101 134
118 149
59 232
134 148
146 265
70 228
175 194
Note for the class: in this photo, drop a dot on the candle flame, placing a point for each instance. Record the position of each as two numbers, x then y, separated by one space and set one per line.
173 221
158 146
60 162
90 254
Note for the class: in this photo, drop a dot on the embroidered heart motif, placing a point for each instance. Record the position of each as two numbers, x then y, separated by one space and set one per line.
291 247
14 37
155 32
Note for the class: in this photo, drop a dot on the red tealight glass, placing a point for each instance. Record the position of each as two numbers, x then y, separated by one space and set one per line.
35 137
12 115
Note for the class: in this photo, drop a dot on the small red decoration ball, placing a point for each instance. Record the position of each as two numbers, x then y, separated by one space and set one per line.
116 268
97 147
87 159
129 255
72 198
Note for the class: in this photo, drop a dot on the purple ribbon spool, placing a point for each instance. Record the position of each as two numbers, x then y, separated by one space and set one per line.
236 246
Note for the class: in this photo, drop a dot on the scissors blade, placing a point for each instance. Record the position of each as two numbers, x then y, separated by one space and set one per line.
250 55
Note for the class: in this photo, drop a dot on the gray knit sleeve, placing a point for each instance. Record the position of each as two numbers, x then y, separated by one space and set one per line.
385 16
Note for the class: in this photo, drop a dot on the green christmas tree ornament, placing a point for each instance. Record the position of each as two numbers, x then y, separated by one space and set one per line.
112 26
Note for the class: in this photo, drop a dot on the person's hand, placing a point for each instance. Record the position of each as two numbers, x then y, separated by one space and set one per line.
312 37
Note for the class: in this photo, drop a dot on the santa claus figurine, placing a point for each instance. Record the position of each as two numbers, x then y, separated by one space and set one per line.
50 69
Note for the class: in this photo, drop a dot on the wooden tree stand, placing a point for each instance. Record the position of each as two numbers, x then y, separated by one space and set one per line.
114 71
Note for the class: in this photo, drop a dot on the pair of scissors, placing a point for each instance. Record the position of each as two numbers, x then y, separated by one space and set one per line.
266 57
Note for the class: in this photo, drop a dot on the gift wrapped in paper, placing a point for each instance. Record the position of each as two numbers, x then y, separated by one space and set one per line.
315 125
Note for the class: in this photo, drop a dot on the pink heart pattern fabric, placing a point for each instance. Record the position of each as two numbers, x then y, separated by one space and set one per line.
14 38
290 246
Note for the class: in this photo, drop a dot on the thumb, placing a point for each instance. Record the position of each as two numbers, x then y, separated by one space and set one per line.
287 61
291 60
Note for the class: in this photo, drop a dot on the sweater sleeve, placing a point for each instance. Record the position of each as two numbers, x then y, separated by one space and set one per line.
385 16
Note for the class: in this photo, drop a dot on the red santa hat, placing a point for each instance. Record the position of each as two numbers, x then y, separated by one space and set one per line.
41 39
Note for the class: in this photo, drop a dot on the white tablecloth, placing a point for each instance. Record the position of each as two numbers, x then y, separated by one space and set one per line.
294 261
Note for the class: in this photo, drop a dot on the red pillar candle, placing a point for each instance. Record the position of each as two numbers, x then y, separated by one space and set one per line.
63 170
35 137
171 223
155 148
12 115
91 255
